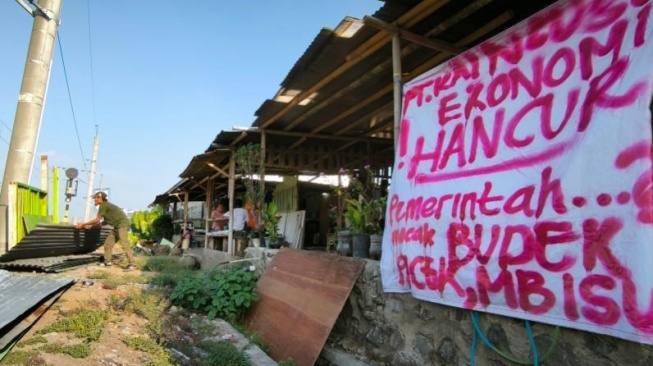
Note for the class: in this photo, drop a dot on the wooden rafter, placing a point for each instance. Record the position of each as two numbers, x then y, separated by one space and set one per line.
422 68
419 12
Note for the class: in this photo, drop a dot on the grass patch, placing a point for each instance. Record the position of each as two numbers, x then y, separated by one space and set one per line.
149 305
83 323
162 264
81 350
112 283
135 278
98 275
32 341
223 353
24 358
169 271
159 353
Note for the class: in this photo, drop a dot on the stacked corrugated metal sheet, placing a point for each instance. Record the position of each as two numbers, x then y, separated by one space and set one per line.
52 248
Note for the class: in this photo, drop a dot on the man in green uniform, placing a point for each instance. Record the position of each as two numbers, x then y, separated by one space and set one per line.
114 216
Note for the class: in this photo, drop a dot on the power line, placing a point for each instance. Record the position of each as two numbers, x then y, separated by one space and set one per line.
4 124
70 100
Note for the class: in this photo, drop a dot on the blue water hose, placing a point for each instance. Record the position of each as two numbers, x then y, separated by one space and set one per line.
535 361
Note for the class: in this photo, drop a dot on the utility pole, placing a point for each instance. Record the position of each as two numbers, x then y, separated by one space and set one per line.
91 176
27 123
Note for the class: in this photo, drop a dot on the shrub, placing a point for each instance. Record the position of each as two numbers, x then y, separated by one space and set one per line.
219 294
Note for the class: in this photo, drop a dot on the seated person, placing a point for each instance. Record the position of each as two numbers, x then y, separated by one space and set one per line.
219 220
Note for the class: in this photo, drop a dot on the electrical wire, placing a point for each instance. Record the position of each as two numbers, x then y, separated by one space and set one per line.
5 124
535 361
70 100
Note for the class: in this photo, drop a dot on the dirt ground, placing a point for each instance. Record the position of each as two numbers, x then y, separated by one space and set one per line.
109 349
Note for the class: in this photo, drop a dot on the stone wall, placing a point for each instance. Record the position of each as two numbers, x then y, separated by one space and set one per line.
396 329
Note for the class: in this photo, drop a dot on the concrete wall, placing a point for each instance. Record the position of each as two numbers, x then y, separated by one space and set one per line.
396 329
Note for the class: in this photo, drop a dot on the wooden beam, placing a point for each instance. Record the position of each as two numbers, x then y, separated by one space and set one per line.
439 58
239 138
321 136
413 37
220 171
412 17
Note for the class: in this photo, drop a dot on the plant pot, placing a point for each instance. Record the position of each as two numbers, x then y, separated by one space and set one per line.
376 243
272 244
331 242
360 245
344 243
256 242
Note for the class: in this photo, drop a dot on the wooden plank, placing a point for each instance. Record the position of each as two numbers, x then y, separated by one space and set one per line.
301 296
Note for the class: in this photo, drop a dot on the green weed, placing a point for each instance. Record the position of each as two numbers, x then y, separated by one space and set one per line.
31 341
83 323
223 353
112 283
23 358
159 353
81 350
98 275
288 362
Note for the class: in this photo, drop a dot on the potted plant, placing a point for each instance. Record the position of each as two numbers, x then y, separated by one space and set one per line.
343 236
357 215
375 212
250 165
271 218
365 212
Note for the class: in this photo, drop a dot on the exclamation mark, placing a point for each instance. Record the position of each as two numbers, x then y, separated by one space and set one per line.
404 132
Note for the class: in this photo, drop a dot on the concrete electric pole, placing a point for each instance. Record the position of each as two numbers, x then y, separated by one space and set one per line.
91 177
31 99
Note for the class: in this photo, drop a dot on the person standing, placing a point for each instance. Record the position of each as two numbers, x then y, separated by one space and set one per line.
114 216
238 223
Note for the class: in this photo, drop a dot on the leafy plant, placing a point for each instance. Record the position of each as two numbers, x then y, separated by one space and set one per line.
271 220
162 227
232 292
190 293
366 203
141 223
250 165
219 294
356 216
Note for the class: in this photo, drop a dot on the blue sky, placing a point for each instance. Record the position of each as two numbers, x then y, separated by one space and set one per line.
159 79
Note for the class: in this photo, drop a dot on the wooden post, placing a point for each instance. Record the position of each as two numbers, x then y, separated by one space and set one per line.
230 190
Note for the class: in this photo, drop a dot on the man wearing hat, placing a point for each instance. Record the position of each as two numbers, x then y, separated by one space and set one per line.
114 216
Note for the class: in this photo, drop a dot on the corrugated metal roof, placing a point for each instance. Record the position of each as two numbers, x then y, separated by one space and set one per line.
353 83
49 240
21 295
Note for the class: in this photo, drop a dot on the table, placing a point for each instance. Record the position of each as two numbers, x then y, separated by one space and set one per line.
215 235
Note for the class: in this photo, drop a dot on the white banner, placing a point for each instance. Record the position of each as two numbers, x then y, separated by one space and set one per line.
522 179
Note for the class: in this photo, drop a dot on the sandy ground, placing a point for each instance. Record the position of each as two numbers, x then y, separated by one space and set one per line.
109 349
